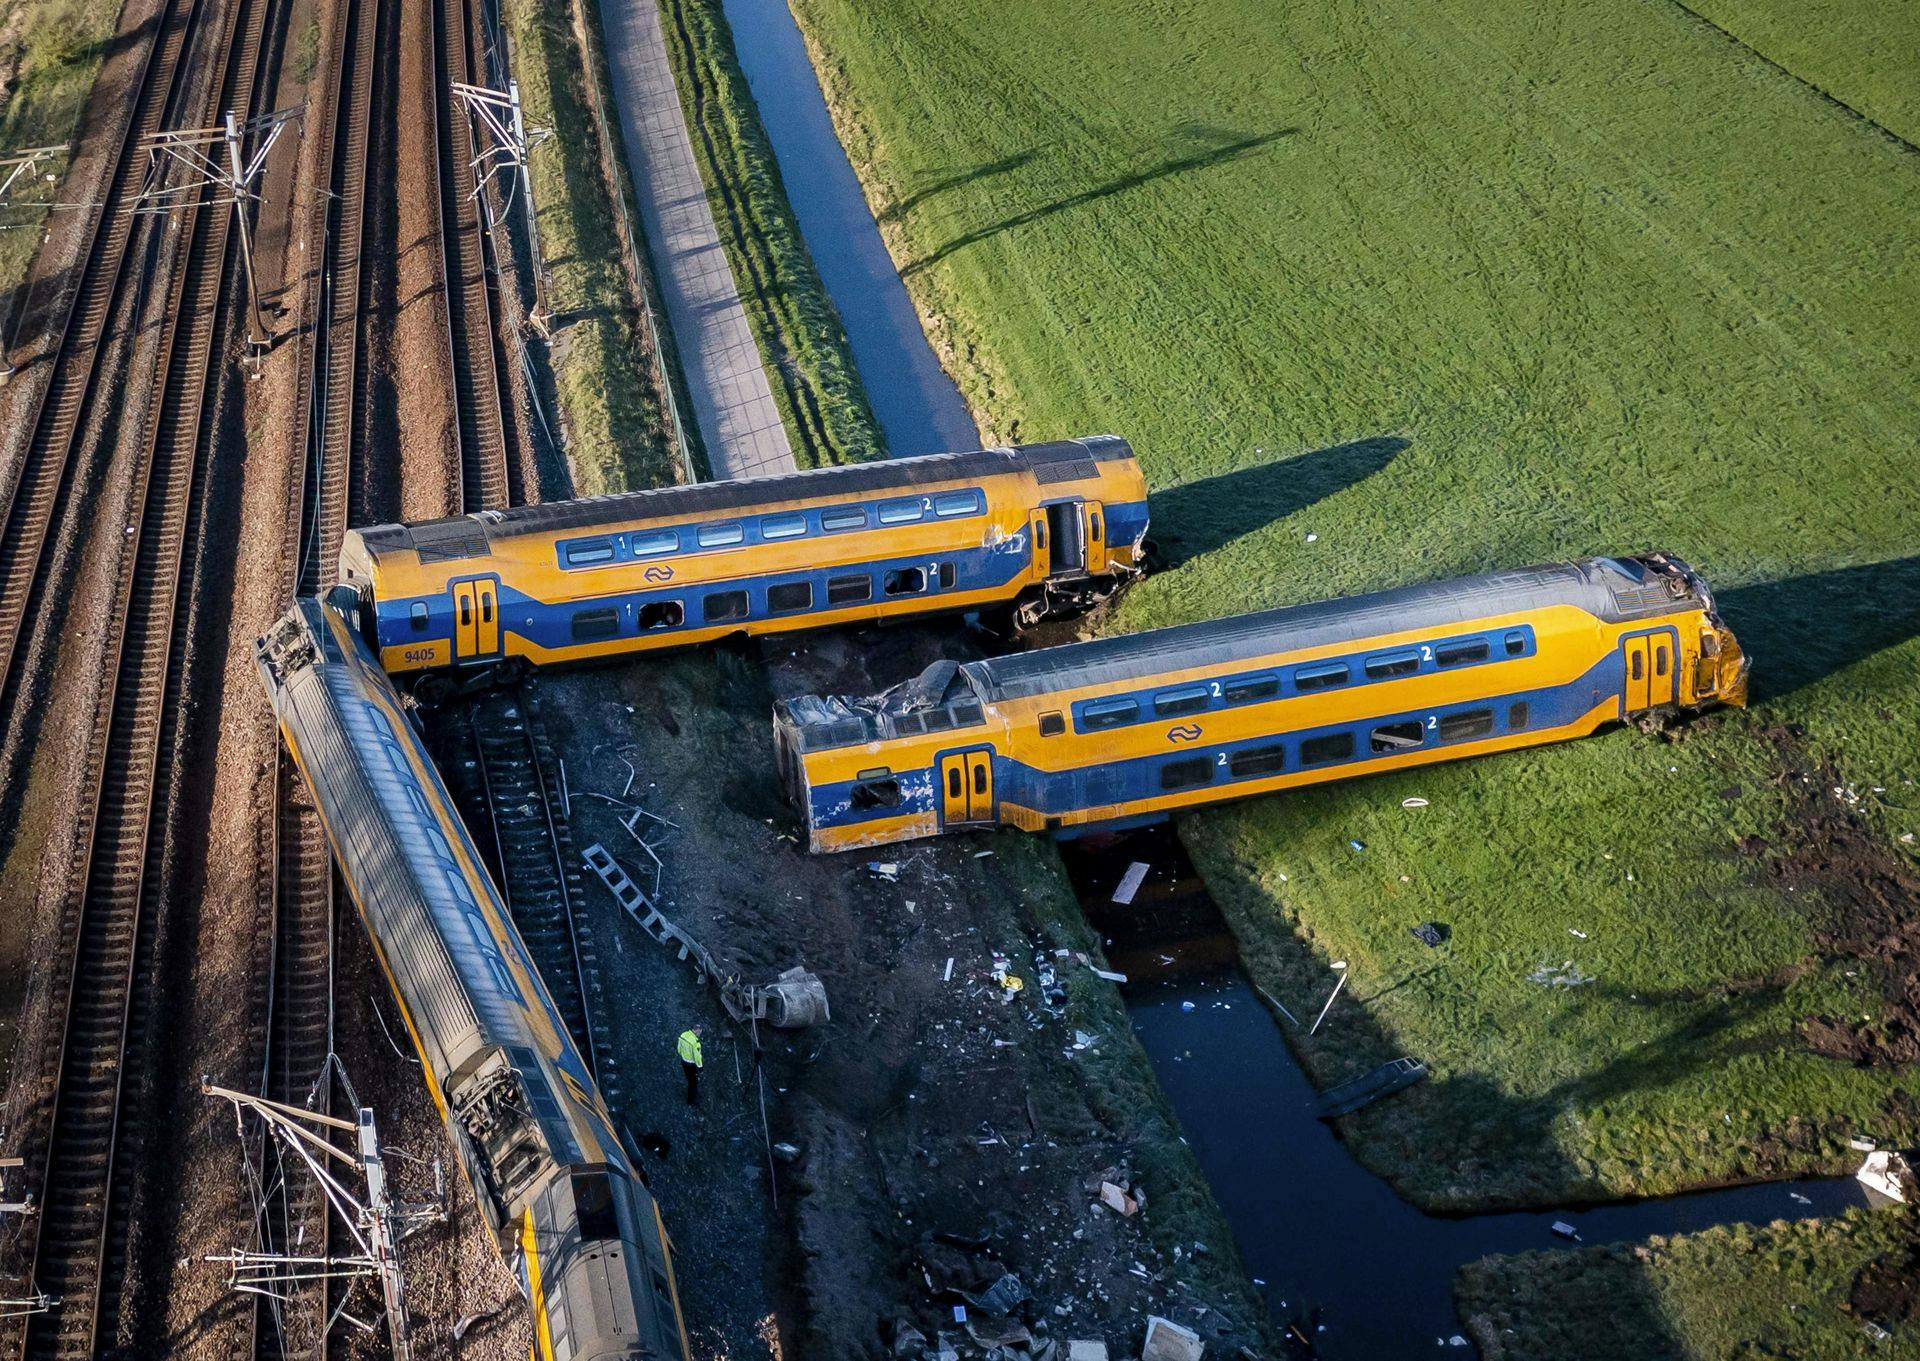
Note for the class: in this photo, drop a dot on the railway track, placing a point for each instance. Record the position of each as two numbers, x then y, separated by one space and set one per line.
513 774
467 276
108 923
59 417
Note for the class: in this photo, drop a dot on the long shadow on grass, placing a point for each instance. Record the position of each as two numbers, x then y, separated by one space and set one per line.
948 183
1803 629
1198 517
1220 146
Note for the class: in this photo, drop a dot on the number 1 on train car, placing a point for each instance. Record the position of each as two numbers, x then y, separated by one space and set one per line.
476 605
966 787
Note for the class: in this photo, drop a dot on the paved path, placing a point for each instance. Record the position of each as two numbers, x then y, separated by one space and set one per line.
739 423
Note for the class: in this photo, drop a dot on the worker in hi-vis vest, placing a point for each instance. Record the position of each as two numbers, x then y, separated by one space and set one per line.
690 1062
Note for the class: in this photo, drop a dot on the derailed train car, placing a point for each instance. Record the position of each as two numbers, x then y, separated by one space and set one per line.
1037 530
565 1203
1136 727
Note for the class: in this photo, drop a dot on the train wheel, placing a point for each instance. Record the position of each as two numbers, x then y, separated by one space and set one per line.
432 691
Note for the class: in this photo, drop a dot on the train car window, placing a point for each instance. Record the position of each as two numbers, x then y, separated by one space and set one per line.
954 787
1388 664
589 552
1333 746
849 590
1321 676
1093 528
947 576
654 542
952 503
598 623
909 725
967 714
905 581
1516 643
938 720
1108 713
843 518
1517 715
1052 725
1252 689
662 614
980 779
782 526
1254 761
1639 660
1398 736
876 790
900 512
417 616
724 605
1195 770
1188 699
719 536
593 1203
1472 723
790 595
1659 659
1459 654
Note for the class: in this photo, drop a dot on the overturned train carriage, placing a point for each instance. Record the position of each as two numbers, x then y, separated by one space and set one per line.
1132 728
1037 530
564 1201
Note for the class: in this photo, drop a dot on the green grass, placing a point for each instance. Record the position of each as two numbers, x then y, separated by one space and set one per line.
53 53
809 365
1449 286
1860 53
603 367
1731 1294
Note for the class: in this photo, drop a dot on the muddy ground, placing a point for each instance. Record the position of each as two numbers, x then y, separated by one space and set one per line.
945 1131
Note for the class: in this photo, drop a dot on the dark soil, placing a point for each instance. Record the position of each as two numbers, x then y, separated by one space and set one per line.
1869 909
947 1131
1887 1291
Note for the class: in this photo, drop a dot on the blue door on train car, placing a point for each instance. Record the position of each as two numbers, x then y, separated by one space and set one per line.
966 787
1649 660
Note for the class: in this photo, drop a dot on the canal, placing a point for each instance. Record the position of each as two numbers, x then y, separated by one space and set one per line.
1365 1274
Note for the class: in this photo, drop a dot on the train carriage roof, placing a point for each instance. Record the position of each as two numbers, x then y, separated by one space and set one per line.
1608 588
469 535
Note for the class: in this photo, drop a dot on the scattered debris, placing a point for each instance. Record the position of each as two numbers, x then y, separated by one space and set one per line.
1432 934
1875 1333
787 1153
1566 1230
1860 1144
1110 976
1804 1200
1118 1199
1888 1173
999 1299
1368 1088
1130 882
947 977
1168 1341
1566 976
1341 965
1357 845
1186 1006
1415 802
886 870
1079 1349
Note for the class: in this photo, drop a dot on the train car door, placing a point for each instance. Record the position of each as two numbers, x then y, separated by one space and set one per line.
1037 531
476 618
966 787
1649 661
1096 538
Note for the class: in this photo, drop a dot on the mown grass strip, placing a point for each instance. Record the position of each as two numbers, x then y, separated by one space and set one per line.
815 382
1813 1289
50 51
605 369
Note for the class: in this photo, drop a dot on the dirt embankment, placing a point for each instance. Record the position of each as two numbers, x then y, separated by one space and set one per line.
946 1132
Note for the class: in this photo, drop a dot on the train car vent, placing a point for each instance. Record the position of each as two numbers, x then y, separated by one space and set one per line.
449 540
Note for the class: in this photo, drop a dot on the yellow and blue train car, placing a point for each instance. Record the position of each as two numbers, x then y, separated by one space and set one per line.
568 1209
1133 728
1040 529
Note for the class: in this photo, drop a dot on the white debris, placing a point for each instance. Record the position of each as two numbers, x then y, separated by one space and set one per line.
1130 883
1415 802
1576 931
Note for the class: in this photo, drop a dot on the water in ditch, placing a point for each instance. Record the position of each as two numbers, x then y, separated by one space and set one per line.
1334 1247
1366 1274
919 409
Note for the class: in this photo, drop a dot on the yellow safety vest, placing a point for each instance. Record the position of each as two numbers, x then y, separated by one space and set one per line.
690 1048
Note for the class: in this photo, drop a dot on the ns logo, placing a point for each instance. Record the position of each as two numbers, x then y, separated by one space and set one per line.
659 573
1184 732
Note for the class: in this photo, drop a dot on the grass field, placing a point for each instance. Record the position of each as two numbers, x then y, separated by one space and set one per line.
49 53
1787 1290
1445 286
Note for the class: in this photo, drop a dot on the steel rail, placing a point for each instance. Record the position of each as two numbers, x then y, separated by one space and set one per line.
79 1234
